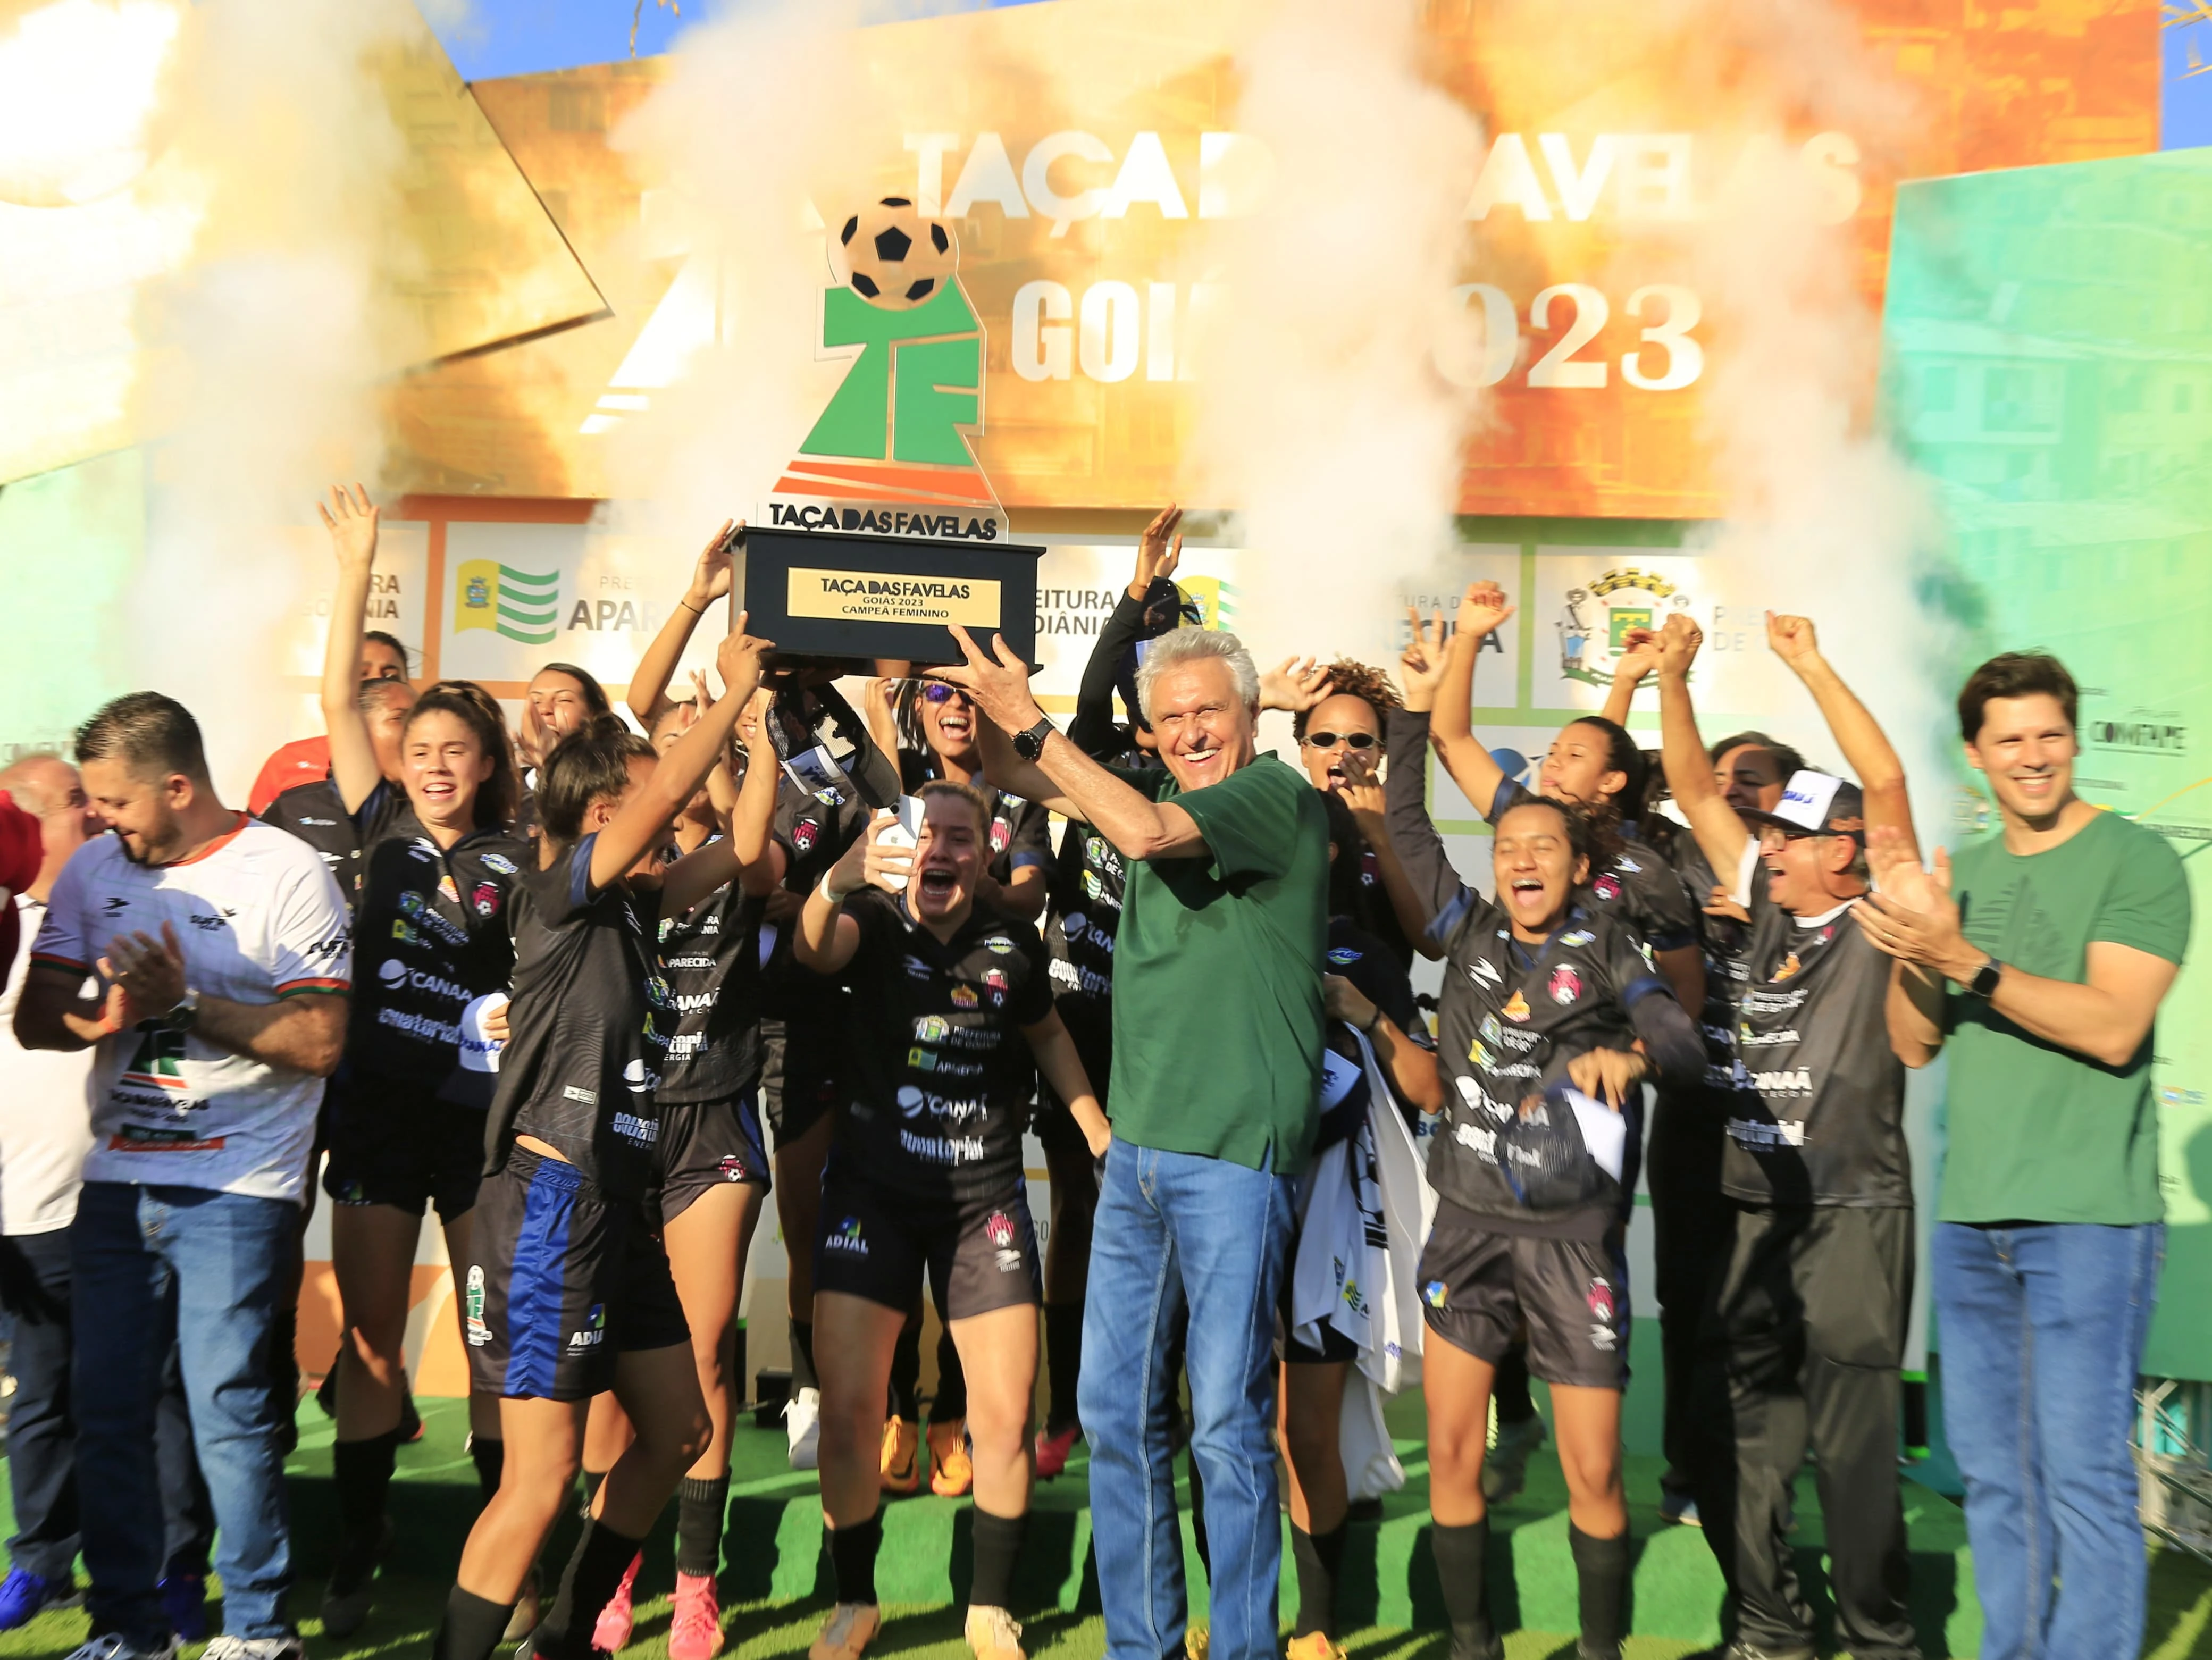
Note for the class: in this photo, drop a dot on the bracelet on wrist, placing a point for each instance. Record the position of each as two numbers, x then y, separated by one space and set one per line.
830 893
697 611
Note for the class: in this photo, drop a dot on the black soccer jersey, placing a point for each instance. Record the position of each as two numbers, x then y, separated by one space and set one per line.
1377 916
1817 1116
710 957
1087 879
1636 884
938 1079
431 935
588 1027
815 830
1513 1014
1375 969
315 812
1725 942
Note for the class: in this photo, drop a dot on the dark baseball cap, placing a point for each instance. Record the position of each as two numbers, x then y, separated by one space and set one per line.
1817 804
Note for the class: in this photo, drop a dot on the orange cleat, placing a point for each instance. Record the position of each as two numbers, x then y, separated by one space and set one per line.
902 1469
951 1471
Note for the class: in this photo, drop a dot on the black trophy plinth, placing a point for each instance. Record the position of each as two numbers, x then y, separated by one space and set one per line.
827 597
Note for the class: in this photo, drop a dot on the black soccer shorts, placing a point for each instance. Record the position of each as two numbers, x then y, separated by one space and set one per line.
397 1144
979 1255
1479 1284
705 1144
563 1279
799 1072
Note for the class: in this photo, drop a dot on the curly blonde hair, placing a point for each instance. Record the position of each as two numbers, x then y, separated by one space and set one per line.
1349 678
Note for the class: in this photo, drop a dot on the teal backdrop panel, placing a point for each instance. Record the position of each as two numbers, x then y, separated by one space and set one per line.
2048 366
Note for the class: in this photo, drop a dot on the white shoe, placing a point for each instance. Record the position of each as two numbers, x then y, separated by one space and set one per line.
112 1646
254 1648
802 1424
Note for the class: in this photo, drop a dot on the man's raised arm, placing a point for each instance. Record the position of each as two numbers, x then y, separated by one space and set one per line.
1063 777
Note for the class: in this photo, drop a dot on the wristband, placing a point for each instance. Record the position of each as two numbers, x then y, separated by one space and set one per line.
828 892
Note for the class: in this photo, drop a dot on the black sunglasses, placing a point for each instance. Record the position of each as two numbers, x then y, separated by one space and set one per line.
1353 740
937 691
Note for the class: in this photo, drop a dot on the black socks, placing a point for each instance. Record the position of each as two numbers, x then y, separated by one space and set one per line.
592 1480
602 1557
1459 1553
906 1373
852 1559
1510 1388
1063 1355
1319 1557
998 1542
802 1357
1600 1578
362 1471
489 1454
950 1404
700 1508
471 1628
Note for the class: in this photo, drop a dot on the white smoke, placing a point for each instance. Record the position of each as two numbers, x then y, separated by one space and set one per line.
1320 415
263 351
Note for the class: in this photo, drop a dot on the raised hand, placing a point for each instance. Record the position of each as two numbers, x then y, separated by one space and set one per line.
352 520
1342 1000
1363 796
710 576
1421 665
1677 644
1791 638
1640 655
997 685
1157 555
738 658
1294 684
533 740
1483 610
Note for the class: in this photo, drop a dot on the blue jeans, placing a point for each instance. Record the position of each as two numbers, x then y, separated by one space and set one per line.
1176 1230
220 1256
2042 1328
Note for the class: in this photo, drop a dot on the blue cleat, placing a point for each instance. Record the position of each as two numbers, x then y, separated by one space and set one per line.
184 1599
24 1595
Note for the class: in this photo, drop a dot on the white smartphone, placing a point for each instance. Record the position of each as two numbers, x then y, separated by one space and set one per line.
906 833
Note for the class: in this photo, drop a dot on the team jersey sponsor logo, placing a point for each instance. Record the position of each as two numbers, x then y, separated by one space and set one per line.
1484 1142
413 906
396 975
1751 1039
1001 833
733 1166
916 968
485 900
1607 887
473 1307
963 997
1483 972
999 946
1604 1333
998 1229
575 1093
943 1150
1516 1008
932 1029
208 924
804 833
846 1239
995 979
1756 1137
1435 1293
499 862
594 1332
421 1026
112 903
689 1002
1089 982
913 1102
1343 956
690 963
447 890
1577 937
1791 1080
1624 863
1790 967
638 1131
144 1138
158 1062
637 1080
1566 986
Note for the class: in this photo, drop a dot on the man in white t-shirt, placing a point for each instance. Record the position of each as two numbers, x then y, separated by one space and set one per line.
221 954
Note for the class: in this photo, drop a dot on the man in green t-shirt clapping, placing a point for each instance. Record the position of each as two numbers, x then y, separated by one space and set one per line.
1216 1058
2041 955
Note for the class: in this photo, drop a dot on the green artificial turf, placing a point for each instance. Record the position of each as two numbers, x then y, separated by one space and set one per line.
775 1583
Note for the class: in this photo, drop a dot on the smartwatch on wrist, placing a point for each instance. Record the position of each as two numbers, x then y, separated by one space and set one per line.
1028 743
1984 985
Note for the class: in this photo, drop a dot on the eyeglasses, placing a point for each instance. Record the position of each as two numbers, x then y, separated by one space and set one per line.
936 691
1351 740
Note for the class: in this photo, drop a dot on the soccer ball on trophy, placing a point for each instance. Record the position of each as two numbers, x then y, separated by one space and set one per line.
890 256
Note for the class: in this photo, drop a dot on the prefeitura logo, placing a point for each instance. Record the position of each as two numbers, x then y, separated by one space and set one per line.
891 454
522 605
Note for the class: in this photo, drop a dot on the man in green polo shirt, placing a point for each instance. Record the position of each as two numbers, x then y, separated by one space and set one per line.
2041 955
1217 1059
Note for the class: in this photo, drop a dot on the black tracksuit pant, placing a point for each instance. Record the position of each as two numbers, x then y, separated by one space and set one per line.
1803 1341
1692 1221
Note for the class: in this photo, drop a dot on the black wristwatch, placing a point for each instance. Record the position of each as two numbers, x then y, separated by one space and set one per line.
186 1015
1984 985
1029 743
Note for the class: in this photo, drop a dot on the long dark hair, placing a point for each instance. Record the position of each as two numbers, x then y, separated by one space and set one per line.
592 763
1621 756
477 709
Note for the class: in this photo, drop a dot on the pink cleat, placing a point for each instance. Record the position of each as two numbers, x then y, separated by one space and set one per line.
695 1633
611 1634
1053 1447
